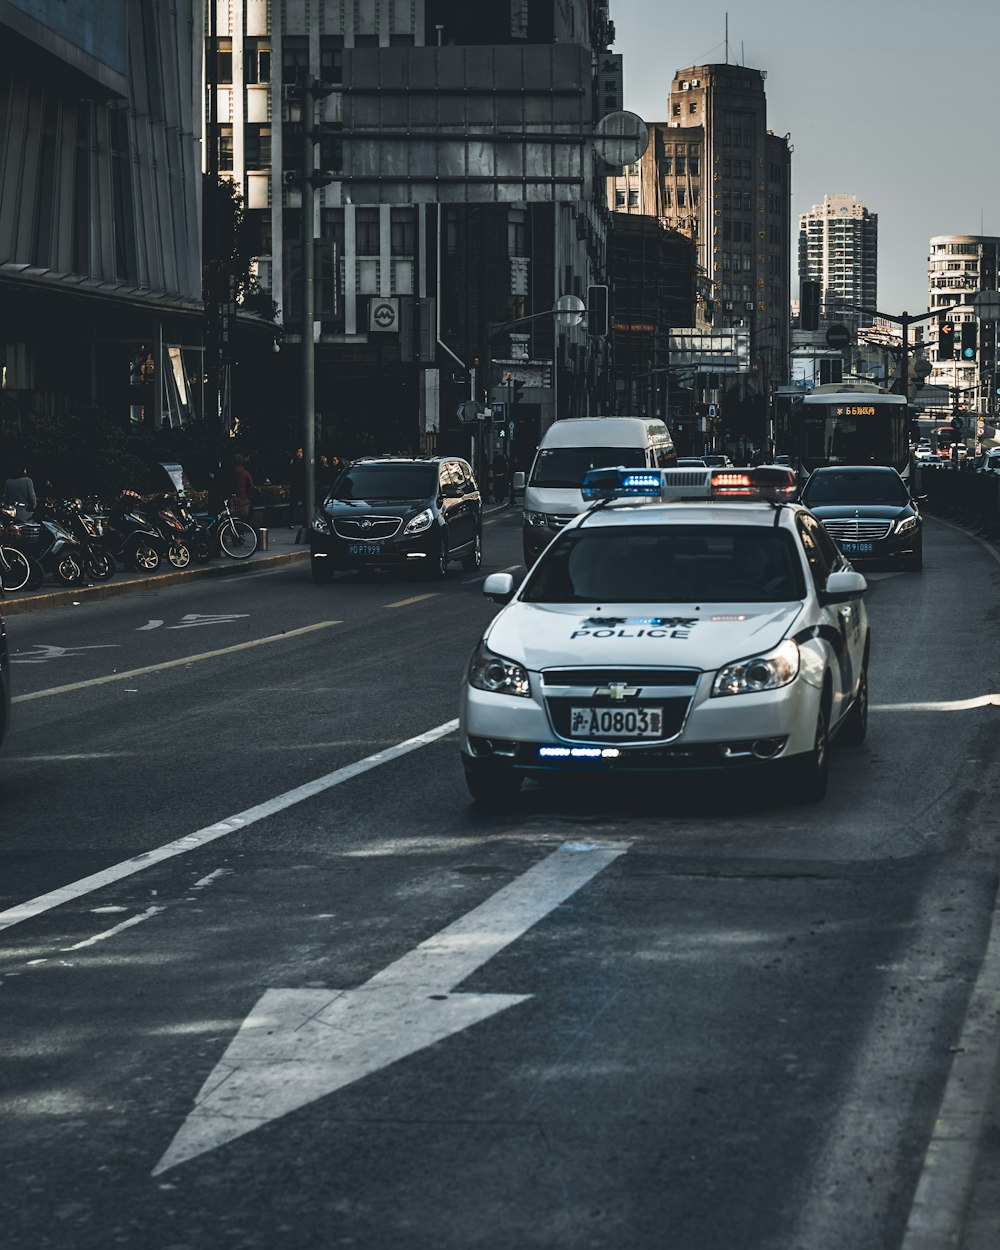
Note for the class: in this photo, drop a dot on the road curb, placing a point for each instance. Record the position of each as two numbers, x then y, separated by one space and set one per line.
39 601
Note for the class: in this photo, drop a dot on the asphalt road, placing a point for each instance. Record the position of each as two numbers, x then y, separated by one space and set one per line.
344 1008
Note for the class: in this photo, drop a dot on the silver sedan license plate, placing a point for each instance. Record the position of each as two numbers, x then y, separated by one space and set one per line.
623 722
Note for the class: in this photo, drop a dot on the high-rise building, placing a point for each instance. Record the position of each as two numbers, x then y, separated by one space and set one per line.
715 172
959 265
838 248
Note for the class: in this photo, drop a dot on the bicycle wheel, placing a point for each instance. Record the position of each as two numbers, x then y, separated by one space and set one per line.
15 569
237 539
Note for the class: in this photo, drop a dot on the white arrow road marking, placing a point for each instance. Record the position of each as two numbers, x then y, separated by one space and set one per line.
41 652
152 624
207 618
300 1045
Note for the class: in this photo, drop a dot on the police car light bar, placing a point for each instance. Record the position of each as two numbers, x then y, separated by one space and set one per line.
772 482
655 484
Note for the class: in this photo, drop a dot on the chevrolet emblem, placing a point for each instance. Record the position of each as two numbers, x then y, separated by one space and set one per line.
617 691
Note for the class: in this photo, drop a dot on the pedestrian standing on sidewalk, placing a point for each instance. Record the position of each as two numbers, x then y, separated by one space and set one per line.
297 487
20 491
241 489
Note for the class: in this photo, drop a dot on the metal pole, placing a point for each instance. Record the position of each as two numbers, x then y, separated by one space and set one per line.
308 305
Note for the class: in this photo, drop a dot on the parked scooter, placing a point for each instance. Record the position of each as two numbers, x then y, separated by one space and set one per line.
44 540
197 536
129 535
88 528
168 524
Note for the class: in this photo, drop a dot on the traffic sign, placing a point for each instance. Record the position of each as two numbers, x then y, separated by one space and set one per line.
980 427
987 305
922 367
837 336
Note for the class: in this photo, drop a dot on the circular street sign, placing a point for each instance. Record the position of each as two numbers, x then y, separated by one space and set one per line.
837 336
569 310
980 427
620 138
384 316
987 305
922 367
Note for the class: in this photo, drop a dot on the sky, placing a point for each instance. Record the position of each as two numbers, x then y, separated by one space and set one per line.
895 102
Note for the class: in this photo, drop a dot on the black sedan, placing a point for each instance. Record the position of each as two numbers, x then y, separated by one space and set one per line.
399 513
869 512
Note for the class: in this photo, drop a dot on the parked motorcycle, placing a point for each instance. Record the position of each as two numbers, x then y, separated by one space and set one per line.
88 528
197 536
51 545
162 516
129 535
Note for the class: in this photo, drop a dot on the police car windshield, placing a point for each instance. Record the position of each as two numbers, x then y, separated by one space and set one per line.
566 466
387 481
669 564
862 486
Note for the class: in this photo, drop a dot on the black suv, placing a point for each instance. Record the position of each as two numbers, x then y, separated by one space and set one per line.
399 513
869 512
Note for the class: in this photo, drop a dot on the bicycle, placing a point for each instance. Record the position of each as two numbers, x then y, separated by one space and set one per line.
234 538
15 569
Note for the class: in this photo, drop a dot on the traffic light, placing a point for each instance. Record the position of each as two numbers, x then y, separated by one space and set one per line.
968 340
809 298
946 340
597 311
831 369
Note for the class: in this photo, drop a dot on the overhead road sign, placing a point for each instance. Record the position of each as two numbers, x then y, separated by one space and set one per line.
711 351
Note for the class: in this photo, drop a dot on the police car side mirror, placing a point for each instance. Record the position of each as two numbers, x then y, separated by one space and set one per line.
840 587
499 587
519 481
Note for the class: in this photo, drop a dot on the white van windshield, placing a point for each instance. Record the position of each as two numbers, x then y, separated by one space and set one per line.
566 466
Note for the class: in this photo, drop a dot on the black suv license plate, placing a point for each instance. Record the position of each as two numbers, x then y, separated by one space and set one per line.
364 549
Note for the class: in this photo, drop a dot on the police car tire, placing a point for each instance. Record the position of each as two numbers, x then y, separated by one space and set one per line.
810 772
854 730
491 785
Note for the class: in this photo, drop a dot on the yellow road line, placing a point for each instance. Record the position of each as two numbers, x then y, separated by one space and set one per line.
188 659
405 603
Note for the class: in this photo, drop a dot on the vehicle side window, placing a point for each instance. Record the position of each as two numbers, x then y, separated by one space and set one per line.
466 478
828 548
446 477
809 535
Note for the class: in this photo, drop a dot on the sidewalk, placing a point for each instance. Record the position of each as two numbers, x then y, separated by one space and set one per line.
281 549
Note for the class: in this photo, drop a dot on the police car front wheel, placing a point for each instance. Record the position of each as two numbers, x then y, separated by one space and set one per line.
810 772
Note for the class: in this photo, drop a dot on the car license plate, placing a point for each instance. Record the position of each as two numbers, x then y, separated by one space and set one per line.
856 549
630 722
364 549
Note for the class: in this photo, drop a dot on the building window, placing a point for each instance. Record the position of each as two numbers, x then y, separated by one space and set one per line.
331 58
680 197
294 57
633 198
619 201
366 41
746 202
727 168
225 147
257 147
693 165
681 166
746 169
668 197
257 63
517 228
666 165
676 110
727 138
224 63
693 106
403 241
366 232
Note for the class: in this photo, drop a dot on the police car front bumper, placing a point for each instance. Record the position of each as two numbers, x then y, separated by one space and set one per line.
717 733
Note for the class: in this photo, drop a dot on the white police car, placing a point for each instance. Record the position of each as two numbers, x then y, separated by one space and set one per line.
719 633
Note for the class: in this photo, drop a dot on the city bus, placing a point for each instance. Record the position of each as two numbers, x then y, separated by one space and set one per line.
845 423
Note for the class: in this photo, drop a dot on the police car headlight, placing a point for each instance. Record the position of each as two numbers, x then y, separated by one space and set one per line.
762 672
906 525
422 521
496 674
321 524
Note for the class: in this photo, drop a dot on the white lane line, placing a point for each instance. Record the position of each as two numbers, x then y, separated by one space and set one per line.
405 603
511 568
192 841
187 659
948 705
110 933
298 1045
940 1203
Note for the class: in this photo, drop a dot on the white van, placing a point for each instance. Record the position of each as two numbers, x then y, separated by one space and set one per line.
569 449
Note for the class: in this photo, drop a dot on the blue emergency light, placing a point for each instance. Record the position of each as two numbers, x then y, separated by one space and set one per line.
622 483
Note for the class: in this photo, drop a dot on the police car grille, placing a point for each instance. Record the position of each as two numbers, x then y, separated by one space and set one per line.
369 529
592 677
674 711
858 528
